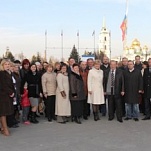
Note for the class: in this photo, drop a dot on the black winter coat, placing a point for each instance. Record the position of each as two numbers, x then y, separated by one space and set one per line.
147 83
133 83
33 84
76 87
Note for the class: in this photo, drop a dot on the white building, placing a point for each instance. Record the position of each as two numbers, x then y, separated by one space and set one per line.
105 40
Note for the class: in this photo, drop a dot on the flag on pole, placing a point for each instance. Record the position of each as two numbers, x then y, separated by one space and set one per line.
93 33
124 28
124 23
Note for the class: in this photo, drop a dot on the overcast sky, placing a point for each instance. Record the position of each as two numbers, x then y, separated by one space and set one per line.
23 24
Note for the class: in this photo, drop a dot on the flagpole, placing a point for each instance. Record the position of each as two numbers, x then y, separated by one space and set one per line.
62 44
78 43
45 46
110 45
125 40
94 40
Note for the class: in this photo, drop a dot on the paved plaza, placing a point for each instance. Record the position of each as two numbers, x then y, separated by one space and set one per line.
102 135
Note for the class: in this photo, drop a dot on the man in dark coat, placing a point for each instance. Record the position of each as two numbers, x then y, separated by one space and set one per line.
124 68
71 61
133 88
114 88
138 64
147 90
105 66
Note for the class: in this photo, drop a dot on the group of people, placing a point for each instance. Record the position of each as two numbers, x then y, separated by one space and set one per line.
62 91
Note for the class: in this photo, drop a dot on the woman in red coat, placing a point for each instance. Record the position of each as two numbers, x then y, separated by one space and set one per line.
6 95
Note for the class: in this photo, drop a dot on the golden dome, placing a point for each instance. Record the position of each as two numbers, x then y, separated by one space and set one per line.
135 43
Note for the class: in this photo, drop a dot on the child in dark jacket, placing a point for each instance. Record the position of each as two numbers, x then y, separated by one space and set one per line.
25 103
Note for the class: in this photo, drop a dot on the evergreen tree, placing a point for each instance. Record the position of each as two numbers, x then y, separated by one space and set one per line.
74 54
33 59
9 56
38 57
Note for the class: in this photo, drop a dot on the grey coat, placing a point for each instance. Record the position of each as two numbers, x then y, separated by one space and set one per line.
76 87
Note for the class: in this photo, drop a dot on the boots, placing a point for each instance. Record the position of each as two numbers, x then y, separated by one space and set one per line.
95 116
4 129
33 118
77 120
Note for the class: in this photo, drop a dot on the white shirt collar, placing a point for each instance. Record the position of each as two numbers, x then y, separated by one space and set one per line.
131 70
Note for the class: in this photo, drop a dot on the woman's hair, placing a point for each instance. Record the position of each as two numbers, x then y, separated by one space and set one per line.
145 63
25 61
12 64
32 64
49 65
2 64
57 63
97 62
63 65
75 64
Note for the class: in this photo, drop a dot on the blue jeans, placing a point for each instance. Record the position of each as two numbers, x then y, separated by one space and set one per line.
132 110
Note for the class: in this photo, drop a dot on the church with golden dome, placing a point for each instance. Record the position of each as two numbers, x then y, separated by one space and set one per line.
136 49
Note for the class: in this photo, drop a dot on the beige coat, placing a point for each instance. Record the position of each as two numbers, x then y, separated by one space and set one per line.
95 85
49 83
63 107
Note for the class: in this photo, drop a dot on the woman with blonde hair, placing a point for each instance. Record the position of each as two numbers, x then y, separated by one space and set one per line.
49 84
95 88
6 95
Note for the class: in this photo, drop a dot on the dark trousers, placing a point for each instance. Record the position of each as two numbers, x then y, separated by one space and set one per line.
147 107
114 104
76 108
11 120
102 107
123 105
50 106
85 108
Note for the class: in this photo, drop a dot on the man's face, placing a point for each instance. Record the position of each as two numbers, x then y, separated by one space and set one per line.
90 63
130 65
113 65
71 62
106 60
124 62
83 65
137 60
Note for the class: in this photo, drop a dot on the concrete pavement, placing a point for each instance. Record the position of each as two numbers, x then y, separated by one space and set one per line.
102 135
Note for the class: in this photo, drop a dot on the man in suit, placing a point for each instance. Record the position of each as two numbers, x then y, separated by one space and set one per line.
105 66
147 90
114 89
